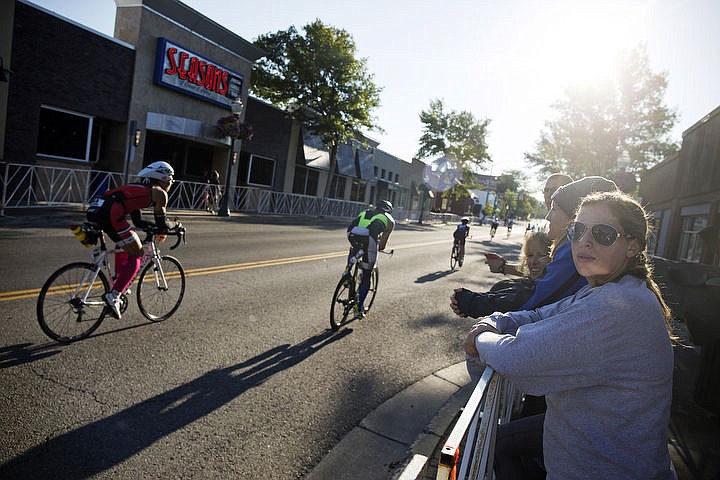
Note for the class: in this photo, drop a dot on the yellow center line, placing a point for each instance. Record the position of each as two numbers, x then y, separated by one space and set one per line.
195 272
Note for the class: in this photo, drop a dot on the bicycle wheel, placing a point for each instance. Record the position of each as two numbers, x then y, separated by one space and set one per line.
453 257
69 307
160 291
374 278
343 301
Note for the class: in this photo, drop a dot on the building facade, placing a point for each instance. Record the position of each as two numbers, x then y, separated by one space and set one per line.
154 91
683 195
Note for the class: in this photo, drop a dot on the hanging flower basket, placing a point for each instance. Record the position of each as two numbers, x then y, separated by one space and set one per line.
232 126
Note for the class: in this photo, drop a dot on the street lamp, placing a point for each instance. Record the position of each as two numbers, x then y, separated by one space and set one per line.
237 106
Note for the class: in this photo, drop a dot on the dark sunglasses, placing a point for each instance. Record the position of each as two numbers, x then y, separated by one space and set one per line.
604 235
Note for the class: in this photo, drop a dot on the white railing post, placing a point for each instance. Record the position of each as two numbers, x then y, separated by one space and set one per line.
4 189
469 450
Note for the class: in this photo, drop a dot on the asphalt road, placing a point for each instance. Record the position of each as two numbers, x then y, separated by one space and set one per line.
245 380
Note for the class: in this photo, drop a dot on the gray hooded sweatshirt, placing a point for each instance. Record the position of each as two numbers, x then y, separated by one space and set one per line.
604 361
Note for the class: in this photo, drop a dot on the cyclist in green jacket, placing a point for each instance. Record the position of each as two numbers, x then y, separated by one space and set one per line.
370 231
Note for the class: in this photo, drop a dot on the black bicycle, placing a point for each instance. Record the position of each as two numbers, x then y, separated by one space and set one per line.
455 255
344 301
70 305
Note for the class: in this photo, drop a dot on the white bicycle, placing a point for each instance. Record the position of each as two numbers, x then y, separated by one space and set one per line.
71 306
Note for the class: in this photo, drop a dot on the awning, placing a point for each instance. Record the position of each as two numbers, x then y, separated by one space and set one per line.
366 159
316 155
346 160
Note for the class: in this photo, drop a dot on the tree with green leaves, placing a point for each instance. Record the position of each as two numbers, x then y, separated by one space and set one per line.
460 137
620 117
513 197
319 80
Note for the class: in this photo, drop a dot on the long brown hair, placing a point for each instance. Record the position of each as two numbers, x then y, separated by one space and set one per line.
634 221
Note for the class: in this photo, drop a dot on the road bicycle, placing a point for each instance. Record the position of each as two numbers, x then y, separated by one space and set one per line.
455 255
344 300
71 306
455 258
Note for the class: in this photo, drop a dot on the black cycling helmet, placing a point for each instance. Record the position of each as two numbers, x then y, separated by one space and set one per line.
385 206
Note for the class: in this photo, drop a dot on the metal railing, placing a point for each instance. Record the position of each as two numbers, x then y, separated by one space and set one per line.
469 450
30 186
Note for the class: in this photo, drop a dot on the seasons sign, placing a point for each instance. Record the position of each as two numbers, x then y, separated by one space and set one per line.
180 69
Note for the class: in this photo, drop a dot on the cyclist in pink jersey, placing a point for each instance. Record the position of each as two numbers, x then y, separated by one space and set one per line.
111 213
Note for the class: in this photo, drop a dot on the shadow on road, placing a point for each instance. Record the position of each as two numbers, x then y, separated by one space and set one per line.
98 446
431 277
22 353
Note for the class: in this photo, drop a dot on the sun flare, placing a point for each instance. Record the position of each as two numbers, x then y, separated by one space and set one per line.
581 40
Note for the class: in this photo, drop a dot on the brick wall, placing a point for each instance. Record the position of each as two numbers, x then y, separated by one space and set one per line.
60 64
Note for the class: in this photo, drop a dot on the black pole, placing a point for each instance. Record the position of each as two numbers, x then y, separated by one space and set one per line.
224 210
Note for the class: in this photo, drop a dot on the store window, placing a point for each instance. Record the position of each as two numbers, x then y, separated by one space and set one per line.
690 243
337 186
261 171
64 134
306 181
357 191
192 161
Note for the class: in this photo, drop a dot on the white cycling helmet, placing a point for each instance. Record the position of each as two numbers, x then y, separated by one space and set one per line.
158 170
385 206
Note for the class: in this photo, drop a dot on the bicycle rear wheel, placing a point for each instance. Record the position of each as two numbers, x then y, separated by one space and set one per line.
453 257
341 309
374 278
70 305
161 290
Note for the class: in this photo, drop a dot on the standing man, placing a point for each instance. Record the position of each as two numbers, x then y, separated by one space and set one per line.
552 183
370 231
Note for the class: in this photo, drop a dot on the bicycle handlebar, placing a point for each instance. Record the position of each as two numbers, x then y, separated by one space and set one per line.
178 231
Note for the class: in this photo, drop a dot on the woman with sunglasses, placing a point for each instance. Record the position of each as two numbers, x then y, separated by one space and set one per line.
561 279
603 357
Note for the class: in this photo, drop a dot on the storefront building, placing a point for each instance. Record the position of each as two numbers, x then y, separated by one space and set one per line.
78 99
683 194
184 81
67 106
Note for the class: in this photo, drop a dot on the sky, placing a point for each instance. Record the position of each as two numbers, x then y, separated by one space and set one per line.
507 61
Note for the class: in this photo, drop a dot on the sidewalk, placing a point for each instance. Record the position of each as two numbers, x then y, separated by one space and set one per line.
402 439
401 434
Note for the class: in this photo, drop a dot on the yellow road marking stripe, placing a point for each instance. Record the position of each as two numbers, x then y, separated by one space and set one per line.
194 272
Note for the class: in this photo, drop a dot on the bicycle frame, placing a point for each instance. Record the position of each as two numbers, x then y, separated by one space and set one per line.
99 256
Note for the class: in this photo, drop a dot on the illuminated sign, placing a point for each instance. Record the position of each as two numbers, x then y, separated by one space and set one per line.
182 70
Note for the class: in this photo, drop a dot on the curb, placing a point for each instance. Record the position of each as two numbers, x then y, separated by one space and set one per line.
396 439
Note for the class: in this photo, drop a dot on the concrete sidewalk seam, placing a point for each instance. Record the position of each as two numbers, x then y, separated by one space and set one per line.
382 435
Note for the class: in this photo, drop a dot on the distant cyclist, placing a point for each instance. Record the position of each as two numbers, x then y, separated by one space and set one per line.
493 227
460 234
111 210
370 231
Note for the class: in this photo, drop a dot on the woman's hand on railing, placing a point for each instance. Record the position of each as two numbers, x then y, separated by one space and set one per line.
478 328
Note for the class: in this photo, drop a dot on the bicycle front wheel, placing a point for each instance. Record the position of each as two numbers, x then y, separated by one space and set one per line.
161 288
341 309
70 305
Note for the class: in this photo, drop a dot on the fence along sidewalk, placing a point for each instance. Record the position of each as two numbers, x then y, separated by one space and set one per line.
29 186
